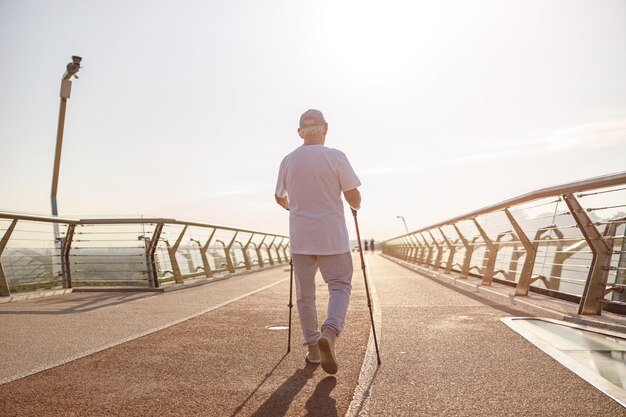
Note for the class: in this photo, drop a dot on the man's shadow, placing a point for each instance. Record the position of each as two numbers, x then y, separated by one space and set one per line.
320 403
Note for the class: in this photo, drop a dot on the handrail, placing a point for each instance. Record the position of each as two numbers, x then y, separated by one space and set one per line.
577 186
137 220
537 246
147 275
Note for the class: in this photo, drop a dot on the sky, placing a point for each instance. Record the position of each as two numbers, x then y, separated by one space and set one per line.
185 109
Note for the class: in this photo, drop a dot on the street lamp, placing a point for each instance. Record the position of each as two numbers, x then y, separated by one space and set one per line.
403 221
66 87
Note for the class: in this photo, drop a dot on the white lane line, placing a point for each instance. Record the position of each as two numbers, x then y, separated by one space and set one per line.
369 368
129 338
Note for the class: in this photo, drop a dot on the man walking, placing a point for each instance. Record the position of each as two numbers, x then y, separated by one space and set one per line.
310 182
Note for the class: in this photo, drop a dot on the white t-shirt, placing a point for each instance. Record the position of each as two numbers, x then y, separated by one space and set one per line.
314 176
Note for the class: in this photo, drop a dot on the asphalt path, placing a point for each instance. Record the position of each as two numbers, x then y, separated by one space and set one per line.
224 362
209 351
446 353
43 332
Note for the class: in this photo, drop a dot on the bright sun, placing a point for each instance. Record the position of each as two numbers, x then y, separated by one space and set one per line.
372 40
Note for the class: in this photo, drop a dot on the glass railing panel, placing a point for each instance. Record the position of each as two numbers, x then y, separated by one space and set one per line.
111 254
31 258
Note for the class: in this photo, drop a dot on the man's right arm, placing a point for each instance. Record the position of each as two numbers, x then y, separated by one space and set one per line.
353 197
282 201
281 189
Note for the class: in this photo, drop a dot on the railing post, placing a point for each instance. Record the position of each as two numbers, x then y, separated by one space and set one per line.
409 249
469 250
415 247
451 251
66 246
229 259
171 250
423 250
280 259
244 249
620 278
439 251
525 278
405 249
285 247
492 249
396 249
151 246
429 248
400 248
593 295
259 254
269 250
203 254
4 285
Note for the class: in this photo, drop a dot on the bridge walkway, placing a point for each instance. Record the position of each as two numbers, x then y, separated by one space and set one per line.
444 351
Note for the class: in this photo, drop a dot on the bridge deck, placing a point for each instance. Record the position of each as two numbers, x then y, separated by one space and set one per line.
444 352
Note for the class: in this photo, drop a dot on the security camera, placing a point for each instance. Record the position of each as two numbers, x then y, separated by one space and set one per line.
73 67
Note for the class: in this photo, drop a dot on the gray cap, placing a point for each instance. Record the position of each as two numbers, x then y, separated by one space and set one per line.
312 117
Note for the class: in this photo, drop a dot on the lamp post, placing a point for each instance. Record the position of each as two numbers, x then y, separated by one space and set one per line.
66 88
403 221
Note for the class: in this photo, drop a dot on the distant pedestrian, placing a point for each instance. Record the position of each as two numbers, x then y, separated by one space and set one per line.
365 243
310 182
372 245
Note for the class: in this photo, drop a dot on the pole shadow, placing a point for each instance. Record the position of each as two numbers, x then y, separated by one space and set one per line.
267 376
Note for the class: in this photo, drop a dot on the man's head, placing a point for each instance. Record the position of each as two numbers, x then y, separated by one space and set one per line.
313 127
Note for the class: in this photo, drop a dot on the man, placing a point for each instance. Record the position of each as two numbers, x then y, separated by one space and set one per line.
310 182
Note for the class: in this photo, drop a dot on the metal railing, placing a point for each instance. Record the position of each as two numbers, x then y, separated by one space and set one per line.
47 252
565 241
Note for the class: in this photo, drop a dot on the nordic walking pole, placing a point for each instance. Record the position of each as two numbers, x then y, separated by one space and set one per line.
290 305
367 290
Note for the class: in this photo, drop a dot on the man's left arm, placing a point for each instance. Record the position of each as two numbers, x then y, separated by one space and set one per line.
348 181
353 197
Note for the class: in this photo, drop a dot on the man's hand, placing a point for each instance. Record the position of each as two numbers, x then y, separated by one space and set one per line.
282 201
353 197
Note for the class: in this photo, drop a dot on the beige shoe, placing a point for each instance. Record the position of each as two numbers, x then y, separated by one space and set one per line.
326 345
314 354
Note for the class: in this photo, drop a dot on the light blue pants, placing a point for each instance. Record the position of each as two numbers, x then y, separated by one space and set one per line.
337 273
